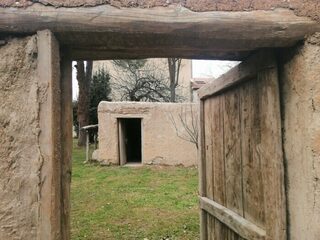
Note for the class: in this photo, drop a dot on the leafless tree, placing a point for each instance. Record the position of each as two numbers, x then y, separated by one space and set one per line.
139 80
187 127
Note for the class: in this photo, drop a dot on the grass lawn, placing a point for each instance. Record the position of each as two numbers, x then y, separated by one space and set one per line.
133 203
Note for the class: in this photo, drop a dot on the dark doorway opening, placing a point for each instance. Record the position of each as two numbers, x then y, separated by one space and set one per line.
130 140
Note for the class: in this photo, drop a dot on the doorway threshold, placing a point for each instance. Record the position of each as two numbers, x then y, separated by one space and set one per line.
133 164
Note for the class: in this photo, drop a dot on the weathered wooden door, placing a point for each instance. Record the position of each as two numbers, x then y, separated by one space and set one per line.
122 142
241 169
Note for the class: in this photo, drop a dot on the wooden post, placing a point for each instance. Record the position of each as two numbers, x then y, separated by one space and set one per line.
87 130
66 144
49 139
95 141
87 146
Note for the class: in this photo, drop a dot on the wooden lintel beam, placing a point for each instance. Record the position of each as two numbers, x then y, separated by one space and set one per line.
244 31
261 24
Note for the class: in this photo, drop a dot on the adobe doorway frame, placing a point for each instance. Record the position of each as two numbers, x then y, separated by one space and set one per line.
135 127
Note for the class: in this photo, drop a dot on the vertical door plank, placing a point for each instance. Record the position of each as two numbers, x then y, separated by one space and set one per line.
219 189
251 160
122 143
232 152
209 110
202 171
271 155
232 235
208 145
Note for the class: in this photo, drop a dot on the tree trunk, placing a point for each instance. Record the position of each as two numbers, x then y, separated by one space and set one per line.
172 93
174 65
172 75
84 75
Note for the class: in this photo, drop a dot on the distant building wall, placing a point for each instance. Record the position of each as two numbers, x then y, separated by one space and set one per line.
160 142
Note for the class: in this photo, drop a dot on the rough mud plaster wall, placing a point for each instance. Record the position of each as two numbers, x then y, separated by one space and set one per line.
160 143
20 161
108 138
300 76
310 8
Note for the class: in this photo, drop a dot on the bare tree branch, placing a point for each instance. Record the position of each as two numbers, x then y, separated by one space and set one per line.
139 80
189 130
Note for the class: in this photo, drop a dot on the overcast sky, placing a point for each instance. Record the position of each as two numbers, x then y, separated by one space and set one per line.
200 69
210 68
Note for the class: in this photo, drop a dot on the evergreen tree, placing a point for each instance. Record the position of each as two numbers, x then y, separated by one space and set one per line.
99 91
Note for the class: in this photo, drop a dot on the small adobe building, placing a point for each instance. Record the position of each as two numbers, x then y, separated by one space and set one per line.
147 133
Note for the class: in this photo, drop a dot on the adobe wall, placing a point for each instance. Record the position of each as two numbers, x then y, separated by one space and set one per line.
20 157
160 143
300 77
30 149
310 8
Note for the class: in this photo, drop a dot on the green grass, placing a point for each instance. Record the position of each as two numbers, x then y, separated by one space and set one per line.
133 203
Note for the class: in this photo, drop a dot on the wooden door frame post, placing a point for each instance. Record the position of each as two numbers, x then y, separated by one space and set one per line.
49 136
66 144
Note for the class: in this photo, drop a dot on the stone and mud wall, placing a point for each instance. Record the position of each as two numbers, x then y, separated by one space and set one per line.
300 95
160 142
20 157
